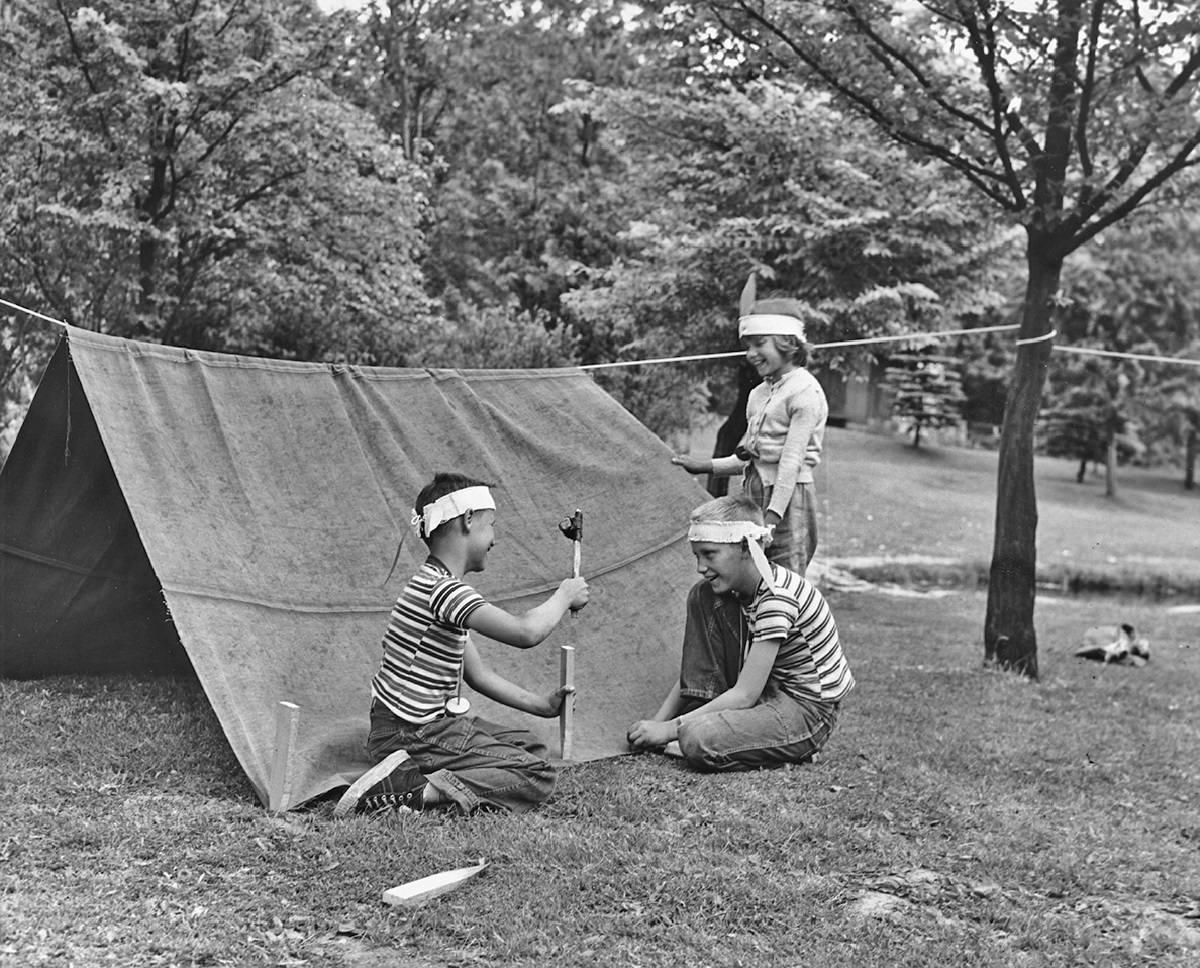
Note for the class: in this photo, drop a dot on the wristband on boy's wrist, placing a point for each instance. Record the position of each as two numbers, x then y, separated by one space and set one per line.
678 725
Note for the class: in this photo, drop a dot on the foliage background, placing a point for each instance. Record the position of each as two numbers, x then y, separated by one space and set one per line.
466 182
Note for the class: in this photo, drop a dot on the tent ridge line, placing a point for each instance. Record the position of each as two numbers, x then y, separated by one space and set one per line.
234 361
496 376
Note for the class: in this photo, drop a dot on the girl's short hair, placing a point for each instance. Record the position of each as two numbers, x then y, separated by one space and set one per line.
789 347
728 509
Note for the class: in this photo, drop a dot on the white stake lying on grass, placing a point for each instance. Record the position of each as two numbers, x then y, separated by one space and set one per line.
419 891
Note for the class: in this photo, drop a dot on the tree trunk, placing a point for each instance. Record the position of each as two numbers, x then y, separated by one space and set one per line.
1189 467
1082 471
730 432
1110 463
1009 638
148 246
916 434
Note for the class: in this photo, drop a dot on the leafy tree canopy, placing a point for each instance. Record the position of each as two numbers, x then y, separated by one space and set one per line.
521 194
177 172
1138 291
768 177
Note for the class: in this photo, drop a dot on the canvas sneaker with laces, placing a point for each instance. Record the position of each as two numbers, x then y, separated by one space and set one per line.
394 783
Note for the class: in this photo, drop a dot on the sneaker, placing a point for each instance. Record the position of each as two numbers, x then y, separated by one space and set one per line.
392 784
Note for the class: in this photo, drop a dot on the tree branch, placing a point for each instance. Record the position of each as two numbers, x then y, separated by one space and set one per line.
1091 203
1085 96
982 177
87 74
1180 162
895 54
983 43
1051 172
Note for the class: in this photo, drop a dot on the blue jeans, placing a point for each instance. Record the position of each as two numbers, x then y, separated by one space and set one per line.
470 761
778 729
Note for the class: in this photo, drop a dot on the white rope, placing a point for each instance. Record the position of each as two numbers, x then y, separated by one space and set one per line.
662 359
1036 339
49 319
1178 361
940 334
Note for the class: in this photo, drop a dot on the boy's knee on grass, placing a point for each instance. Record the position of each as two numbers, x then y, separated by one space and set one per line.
543 789
694 745
703 744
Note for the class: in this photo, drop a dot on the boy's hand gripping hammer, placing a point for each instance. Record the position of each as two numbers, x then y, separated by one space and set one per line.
572 527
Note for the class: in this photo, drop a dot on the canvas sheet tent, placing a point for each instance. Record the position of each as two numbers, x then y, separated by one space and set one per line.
162 505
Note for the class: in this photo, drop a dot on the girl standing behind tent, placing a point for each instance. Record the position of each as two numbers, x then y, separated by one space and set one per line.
785 428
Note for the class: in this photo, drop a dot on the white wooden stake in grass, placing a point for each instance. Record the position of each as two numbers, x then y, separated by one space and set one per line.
417 892
566 715
279 792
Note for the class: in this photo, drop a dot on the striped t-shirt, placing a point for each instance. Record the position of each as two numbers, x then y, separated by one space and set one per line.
810 663
424 644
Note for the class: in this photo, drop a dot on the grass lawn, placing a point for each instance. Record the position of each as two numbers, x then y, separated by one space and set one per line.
959 816
892 511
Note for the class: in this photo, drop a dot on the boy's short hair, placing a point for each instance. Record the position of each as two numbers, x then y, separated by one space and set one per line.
788 346
729 508
443 483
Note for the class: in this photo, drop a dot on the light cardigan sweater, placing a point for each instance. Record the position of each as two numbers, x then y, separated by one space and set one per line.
785 426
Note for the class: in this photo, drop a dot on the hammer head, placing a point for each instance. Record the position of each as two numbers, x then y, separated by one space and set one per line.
572 526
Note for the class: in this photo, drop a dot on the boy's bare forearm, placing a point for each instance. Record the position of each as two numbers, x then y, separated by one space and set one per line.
532 627
487 682
543 619
670 706
500 690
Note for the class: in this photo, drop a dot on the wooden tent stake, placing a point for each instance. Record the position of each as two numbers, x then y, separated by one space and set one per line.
279 792
566 715
415 892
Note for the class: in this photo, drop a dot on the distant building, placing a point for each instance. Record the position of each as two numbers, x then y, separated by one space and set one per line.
856 396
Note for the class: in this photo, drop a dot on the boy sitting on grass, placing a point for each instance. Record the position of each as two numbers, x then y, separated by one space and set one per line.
763 673
428 751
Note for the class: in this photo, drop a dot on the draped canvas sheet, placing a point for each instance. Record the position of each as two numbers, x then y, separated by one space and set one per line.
269 497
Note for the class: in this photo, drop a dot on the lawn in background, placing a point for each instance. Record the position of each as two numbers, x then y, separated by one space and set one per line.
883 502
959 816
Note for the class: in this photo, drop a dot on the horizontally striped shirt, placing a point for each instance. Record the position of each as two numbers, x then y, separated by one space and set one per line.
810 663
424 644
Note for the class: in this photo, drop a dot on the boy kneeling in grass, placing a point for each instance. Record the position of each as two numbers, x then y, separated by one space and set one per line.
428 751
763 673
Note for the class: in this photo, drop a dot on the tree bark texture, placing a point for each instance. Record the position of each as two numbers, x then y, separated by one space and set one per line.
1110 462
1009 637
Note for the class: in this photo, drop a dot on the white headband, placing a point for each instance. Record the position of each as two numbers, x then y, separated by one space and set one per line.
450 506
737 532
771 324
